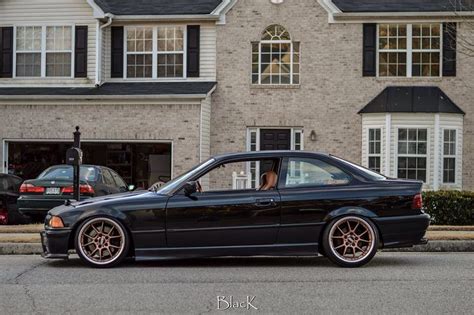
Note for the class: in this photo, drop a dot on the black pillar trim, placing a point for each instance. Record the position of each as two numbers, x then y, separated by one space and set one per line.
369 67
193 46
80 51
6 52
117 52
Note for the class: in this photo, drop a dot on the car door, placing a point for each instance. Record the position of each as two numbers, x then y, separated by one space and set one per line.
310 188
228 217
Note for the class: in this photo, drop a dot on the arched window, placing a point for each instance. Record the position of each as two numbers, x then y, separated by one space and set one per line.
276 58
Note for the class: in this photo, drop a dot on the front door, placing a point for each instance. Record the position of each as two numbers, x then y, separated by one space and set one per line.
273 139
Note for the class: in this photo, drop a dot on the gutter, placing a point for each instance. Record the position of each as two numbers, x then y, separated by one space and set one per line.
182 17
103 97
98 49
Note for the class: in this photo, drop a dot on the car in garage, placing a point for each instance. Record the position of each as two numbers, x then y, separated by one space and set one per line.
9 193
305 203
54 186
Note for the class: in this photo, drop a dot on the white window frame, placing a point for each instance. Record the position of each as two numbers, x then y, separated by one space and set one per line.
155 53
44 51
256 131
409 51
455 156
379 155
410 155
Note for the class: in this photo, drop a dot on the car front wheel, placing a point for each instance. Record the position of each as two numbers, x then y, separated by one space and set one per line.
102 242
350 241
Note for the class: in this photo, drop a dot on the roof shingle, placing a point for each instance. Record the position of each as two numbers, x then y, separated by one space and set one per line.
157 7
404 5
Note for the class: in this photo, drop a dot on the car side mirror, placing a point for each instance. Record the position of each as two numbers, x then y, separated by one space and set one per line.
190 188
131 187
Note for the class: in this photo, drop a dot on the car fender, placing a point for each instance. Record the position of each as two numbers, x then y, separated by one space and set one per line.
349 211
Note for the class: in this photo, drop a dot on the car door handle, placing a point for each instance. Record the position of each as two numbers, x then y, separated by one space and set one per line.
265 202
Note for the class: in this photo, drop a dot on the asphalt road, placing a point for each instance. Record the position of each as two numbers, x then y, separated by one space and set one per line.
398 283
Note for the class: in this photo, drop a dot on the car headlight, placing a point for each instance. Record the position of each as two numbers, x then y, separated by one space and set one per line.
56 222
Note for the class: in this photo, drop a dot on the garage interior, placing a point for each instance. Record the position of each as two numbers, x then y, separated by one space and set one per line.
140 164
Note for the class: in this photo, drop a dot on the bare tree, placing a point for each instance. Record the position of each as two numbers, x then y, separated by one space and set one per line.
463 40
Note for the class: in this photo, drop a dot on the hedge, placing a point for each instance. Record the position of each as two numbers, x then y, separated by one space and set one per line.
449 207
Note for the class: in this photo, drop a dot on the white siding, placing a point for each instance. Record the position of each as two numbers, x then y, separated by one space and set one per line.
44 12
207 53
418 120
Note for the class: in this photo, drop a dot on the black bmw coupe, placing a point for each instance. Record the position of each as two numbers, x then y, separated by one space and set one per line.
246 204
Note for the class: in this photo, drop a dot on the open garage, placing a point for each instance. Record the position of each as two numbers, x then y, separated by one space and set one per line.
139 163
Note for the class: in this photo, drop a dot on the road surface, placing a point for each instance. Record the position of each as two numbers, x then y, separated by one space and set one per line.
395 283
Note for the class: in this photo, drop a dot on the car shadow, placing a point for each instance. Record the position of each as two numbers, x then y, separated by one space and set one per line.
233 262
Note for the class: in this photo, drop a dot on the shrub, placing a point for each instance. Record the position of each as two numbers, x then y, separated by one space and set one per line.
449 207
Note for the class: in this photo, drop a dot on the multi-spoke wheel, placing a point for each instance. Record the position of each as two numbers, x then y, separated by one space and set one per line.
101 242
350 241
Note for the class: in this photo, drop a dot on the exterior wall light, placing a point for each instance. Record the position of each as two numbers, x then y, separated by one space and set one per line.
312 136
276 1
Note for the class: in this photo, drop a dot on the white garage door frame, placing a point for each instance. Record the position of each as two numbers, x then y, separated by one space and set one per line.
6 141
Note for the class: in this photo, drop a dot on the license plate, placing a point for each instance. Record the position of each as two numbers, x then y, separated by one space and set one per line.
53 191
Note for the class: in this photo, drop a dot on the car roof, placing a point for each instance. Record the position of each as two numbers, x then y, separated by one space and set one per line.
268 154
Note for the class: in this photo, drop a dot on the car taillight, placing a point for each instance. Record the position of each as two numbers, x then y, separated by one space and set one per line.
30 188
84 189
417 202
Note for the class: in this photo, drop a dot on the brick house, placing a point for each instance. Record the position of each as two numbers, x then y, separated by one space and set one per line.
379 82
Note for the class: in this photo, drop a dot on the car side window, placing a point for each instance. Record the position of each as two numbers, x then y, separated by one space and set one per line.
118 180
301 172
108 180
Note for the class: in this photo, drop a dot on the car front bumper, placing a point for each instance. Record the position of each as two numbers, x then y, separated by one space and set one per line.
55 243
403 231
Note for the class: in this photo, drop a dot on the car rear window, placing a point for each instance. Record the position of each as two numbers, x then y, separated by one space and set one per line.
367 172
87 173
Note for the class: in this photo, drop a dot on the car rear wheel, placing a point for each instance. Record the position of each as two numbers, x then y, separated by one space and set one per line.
350 241
102 242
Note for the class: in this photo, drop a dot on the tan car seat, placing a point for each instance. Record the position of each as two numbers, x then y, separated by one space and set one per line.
268 180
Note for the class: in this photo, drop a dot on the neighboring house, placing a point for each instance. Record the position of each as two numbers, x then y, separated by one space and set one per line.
158 86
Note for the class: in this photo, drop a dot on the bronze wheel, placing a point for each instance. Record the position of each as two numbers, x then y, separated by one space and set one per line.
101 242
351 241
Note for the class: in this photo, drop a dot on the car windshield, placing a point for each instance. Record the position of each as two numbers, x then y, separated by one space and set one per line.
65 172
369 173
175 183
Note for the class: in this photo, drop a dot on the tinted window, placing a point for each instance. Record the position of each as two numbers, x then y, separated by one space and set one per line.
118 180
87 173
108 179
302 172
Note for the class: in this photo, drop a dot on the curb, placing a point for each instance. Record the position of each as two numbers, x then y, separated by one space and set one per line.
432 246
438 246
20 249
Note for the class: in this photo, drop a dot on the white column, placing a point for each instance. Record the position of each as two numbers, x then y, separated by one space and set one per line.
388 144
437 153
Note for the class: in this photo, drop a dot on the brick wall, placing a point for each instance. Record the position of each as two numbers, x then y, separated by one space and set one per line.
332 88
177 123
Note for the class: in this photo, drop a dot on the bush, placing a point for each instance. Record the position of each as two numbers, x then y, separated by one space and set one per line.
449 207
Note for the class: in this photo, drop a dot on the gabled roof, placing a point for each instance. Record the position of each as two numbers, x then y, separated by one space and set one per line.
158 7
411 99
198 89
404 5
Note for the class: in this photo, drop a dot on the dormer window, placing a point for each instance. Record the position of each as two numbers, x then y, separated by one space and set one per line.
275 59
155 52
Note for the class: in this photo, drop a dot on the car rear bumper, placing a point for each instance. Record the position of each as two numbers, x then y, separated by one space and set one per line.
40 205
403 231
55 243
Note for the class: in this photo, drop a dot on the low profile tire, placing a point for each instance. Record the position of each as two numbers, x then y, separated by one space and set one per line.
102 242
350 241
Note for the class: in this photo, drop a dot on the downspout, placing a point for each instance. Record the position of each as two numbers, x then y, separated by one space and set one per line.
99 28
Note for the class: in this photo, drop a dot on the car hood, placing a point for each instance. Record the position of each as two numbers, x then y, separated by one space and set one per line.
105 202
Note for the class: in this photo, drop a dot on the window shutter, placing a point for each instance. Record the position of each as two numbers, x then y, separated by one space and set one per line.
6 52
80 52
117 52
193 50
369 45
449 49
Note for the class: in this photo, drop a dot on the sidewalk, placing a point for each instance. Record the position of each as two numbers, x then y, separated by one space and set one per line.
25 239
